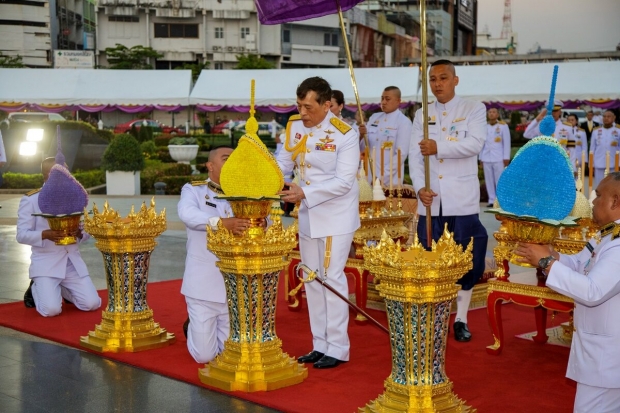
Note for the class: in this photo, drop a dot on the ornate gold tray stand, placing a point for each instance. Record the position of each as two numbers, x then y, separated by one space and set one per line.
126 244
252 359
418 287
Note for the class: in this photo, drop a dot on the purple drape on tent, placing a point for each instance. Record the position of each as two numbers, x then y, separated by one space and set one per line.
92 108
282 11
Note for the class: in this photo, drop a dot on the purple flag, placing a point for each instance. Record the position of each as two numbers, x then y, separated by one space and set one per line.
283 11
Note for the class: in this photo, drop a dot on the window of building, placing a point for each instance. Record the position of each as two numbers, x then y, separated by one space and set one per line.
330 39
244 32
174 30
218 66
219 32
286 36
126 19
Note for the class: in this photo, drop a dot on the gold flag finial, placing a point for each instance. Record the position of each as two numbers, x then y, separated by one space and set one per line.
251 127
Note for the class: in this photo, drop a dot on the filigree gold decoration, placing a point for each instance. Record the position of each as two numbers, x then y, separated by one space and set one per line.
530 231
68 223
371 229
418 287
126 244
252 359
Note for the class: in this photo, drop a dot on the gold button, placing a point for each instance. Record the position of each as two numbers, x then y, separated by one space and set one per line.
307 182
443 129
308 150
440 176
444 113
441 161
309 166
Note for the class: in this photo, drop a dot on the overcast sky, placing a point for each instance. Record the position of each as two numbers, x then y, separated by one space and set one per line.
565 25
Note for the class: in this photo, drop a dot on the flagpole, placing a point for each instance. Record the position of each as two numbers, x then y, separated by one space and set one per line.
427 165
357 97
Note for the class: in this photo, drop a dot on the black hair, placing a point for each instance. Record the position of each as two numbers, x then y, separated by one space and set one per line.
339 96
393 88
318 85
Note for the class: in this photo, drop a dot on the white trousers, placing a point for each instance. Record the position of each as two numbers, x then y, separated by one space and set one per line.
209 326
599 174
48 292
590 399
492 172
329 315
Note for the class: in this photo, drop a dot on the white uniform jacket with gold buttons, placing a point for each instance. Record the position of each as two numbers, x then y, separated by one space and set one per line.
459 128
47 258
578 147
605 140
328 175
198 208
497 145
593 281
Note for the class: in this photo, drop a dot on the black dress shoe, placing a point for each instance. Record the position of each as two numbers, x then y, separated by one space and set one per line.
461 332
327 362
28 298
311 357
490 205
185 327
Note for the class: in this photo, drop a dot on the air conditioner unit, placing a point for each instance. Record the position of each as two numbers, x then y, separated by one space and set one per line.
230 48
241 49
216 48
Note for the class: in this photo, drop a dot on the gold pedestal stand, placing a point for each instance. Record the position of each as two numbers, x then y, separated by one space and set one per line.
252 359
418 287
126 244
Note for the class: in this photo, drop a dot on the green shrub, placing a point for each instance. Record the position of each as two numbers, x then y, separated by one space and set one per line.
91 178
134 131
123 154
157 171
148 148
14 180
162 140
163 154
105 134
174 184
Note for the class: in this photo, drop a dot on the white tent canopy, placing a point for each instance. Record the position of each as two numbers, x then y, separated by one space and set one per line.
277 86
95 87
492 83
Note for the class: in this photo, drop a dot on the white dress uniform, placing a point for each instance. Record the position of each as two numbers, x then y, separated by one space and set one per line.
2 151
563 132
203 283
328 164
604 140
591 279
58 271
393 127
577 147
496 149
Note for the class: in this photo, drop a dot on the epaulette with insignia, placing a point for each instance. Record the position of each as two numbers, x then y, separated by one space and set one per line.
343 127
597 127
34 191
567 124
611 228
581 129
294 117
198 183
501 122
616 232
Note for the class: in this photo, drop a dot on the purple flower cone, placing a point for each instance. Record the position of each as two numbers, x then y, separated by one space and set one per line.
62 194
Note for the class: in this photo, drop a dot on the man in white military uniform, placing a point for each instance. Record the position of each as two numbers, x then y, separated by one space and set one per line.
604 139
326 151
57 271
203 284
388 126
578 147
591 279
495 155
563 131
457 131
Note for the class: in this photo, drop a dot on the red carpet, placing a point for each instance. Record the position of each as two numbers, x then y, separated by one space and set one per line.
527 377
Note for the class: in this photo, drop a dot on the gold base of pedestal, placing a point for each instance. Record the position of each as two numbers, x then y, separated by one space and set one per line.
252 367
417 399
127 333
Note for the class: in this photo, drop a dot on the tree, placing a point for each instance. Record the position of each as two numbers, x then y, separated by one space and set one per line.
252 61
196 68
11 61
137 57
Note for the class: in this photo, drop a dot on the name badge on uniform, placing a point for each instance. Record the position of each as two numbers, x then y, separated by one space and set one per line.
497 130
211 204
375 123
431 120
326 147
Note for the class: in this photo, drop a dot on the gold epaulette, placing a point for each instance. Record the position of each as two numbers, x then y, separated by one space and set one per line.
198 183
597 127
611 228
567 124
581 129
343 127
618 125
501 122
34 191
294 118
